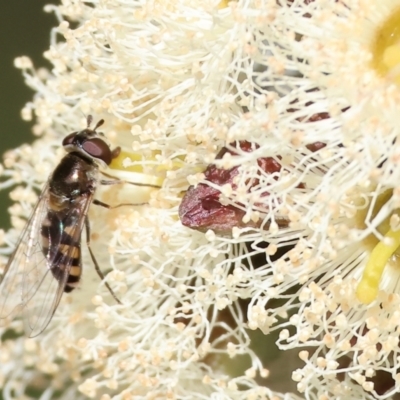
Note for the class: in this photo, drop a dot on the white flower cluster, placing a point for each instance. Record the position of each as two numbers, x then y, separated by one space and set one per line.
291 90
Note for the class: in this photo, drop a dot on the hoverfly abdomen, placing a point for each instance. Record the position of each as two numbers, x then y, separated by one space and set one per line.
62 250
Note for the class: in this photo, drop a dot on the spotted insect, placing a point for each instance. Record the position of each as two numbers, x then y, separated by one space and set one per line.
47 259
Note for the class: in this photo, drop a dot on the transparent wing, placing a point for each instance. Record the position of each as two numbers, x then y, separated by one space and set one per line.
27 267
28 285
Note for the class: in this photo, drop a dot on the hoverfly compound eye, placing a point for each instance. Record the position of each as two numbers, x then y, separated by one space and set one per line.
97 148
69 140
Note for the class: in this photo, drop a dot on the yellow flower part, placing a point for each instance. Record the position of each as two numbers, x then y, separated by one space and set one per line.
223 4
368 287
386 48
133 164
126 162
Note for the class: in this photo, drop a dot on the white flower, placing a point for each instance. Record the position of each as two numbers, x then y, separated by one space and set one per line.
310 87
169 80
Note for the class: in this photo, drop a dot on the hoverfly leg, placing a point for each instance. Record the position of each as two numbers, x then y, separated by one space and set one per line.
110 182
105 205
115 152
96 265
115 181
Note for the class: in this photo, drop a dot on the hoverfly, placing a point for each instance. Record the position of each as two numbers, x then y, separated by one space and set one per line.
47 259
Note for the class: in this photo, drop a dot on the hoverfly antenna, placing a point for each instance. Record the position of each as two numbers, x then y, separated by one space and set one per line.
89 120
100 123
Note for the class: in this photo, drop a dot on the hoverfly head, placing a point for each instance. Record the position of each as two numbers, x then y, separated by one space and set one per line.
89 143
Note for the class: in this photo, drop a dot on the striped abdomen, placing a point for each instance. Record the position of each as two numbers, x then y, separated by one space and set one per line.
61 246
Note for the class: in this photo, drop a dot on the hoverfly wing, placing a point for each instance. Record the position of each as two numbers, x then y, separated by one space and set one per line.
29 284
27 265
60 239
